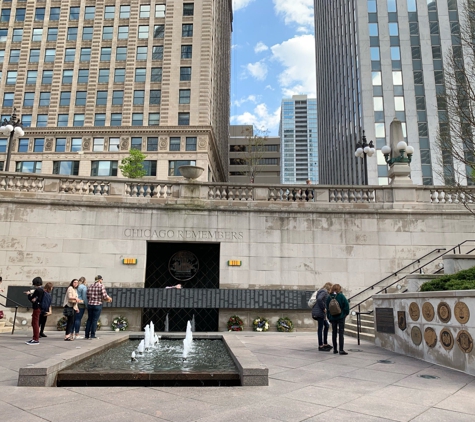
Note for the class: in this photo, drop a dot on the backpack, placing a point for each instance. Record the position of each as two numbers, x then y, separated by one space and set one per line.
45 303
334 307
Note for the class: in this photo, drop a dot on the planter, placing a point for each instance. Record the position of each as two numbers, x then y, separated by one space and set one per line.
191 172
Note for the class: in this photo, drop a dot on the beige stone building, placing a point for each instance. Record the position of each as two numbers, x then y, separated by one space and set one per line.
93 79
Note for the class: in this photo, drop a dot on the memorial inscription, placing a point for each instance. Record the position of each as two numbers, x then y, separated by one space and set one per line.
183 234
385 320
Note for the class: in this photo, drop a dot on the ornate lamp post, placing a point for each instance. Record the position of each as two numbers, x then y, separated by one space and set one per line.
363 149
405 153
13 129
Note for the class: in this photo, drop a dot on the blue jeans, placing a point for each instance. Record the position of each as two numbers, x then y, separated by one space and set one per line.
323 325
77 321
93 314
338 328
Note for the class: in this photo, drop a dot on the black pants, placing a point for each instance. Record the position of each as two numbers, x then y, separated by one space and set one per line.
70 314
43 319
322 331
338 326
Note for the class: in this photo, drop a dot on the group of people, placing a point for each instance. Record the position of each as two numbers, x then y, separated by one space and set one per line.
79 297
325 311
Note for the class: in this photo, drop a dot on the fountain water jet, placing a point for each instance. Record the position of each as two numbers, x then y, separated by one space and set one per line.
188 342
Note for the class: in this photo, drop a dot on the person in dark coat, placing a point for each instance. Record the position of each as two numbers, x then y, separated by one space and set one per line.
319 313
338 321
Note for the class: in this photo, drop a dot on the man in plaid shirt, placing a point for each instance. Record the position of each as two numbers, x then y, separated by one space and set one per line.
96 294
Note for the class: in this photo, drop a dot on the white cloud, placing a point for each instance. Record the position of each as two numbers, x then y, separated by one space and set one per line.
297 56
296 11
260 47
241 4
257 70
260 118
248 99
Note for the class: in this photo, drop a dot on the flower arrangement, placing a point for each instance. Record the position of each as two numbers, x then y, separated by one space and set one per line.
61 324
120 323
235 323
260 324
285 325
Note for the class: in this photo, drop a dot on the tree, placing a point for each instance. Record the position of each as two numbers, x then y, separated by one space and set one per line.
457 113
132 166
255 140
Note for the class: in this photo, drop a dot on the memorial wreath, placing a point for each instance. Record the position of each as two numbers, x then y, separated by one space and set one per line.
235 323
260 324
120 323
285 325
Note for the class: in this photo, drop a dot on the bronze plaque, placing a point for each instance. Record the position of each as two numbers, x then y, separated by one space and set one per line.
428 311
416 335
385 320
461 312
430 337
414 311
444 312
183 265
446 339
401 320
465 341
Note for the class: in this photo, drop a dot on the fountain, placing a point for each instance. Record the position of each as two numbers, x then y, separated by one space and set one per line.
166 323
188 342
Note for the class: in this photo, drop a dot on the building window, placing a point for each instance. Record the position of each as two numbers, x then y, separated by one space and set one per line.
38 145
78 120
144 11
72 34
81 98
114 144
152 144
109 12
150 168
141 53
14 56
3 145
174 144
140 74
87 33
186 51
121 53
137 119
185 73
191 144
155 96
116 119
139 97
28 166
103 76
107 32
76 144
74 13
98 144
157 53
52 34
156 75
174 165
65 98
41 120
20 15
119 76
136 143
143 31
40 14
11 77
17 35
34 55
100 119
117 97
29 99
63 120
8 99
160 10
37 35
54 13
90 12
60 145
106 54
44 99
3 35
185 96
187 30
104 168
23 145
101 98
154 119
124 12
26 120
67 168
159 31
85 55
83 76
183 119
188 9
69 54
31 77
47 78
67 76
123 32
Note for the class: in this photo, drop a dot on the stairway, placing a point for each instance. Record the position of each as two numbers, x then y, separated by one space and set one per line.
367 327
5 327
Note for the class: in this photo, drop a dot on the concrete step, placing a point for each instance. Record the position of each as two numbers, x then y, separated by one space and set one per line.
369 329
363 336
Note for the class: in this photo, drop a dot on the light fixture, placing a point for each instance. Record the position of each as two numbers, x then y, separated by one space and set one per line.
363 149
405 153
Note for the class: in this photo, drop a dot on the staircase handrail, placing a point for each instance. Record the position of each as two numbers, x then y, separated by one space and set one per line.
412 272
17 305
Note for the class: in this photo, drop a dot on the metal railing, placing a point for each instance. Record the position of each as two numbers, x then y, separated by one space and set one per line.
16 310
358 322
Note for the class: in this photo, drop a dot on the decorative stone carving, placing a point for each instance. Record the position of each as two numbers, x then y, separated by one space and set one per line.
401 320
416 335
163 143
124 144
202 143
446 339
461 312
414 311
465 341
428 311
430 337
49 144
86 144
444 312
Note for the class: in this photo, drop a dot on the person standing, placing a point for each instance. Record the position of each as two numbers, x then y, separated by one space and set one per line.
337 319
35 296
45 307
82 295
319 313
96 294
70 305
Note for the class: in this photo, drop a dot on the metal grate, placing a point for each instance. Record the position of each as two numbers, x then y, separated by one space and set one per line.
204 319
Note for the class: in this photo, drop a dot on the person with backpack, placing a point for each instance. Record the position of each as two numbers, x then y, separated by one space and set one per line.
45 307
319 313
35 296
338 309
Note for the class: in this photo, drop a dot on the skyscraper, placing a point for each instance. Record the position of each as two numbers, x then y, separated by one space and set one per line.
298 137
376 61
102 77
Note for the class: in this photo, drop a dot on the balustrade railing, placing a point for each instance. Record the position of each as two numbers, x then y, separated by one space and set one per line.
21 183
447 195
231 193
84 187
148 190
352 194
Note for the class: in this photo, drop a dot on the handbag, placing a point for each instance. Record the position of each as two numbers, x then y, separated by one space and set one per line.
68 311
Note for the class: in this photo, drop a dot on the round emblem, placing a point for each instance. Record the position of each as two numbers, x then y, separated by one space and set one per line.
428 311
414 311
430 337
465 341
416 335
446 339
183 265
461 312
444 312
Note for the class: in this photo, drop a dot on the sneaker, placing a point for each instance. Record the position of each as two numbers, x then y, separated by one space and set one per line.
43 335
342 352
32 342
77 336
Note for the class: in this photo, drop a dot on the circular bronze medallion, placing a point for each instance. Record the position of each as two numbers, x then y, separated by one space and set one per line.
444 312
465 341
414 311
461 312
446 339
428 311
416 335
183 265
430 337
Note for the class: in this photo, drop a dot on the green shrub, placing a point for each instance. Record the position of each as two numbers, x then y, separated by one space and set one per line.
463 280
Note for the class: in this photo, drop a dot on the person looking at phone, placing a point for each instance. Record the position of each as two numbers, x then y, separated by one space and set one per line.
96 294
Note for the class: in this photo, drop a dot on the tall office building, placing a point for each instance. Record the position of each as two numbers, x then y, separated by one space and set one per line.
298 138
376 61
100 77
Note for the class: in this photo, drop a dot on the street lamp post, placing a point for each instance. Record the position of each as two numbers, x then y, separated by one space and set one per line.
363 149
13 129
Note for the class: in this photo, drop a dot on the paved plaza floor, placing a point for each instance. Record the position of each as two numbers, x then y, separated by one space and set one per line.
304 385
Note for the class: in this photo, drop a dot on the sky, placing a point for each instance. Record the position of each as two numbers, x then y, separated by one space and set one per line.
273 57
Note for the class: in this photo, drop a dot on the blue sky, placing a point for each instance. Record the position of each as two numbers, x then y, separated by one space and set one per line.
273 57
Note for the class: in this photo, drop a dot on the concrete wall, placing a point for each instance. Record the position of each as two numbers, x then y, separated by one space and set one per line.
446 335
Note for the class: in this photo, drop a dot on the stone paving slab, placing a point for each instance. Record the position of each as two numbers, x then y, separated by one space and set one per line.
304 385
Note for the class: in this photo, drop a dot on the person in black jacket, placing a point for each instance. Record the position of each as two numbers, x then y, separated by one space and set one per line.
319 313
35 296
338 321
